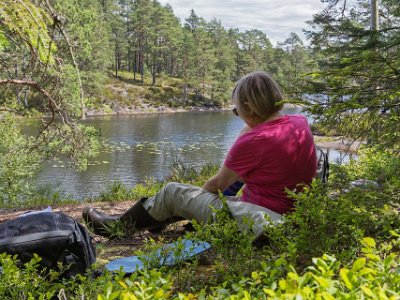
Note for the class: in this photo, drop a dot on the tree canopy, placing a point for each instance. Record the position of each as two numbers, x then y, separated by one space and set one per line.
356 90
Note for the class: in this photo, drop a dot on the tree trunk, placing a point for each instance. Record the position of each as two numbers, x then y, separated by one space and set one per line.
153 72
135 62
171 72
141 67
375 15
116 63
185 92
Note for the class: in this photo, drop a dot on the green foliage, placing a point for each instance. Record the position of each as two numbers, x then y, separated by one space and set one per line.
355 92
235 256
375 164
29 282
30 22
69 91
333 218
295 60
87 28
319 224
372 275
17 163
3 41
26 283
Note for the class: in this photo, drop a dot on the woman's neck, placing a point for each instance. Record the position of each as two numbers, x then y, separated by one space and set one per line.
253 122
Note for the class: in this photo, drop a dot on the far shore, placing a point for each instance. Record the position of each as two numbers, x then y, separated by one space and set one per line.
161 109
151 110
338 143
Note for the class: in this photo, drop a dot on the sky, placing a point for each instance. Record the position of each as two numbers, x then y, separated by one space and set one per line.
277 18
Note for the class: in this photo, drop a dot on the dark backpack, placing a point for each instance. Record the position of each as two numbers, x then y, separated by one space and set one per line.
54 236
322 165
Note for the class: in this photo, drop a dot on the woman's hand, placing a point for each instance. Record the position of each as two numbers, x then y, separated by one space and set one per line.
221 181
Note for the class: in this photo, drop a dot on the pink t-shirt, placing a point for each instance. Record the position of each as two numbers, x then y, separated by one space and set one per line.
271 157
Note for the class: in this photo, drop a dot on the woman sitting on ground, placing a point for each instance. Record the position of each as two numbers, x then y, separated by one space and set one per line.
275 152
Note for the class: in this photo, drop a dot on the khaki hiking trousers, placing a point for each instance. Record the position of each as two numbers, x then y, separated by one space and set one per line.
191 202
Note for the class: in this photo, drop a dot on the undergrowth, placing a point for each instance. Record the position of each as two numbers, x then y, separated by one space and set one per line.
341 242
179 172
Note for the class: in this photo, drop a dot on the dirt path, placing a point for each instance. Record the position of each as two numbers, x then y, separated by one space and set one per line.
106 249
73 210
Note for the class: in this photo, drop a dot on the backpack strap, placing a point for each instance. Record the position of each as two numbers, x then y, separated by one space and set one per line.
322 165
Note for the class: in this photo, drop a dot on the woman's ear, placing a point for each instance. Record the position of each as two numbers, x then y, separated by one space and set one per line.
249 109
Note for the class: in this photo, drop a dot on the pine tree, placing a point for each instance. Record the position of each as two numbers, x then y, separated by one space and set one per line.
293 63
221 72
141 20
186 58
88 33
357 91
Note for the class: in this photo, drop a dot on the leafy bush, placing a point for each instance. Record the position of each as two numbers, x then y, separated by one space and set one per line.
232 244
373 274
17 163
375 164
29 282
333 218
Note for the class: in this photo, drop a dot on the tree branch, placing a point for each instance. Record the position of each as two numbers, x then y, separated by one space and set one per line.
56 19
52 103
8 110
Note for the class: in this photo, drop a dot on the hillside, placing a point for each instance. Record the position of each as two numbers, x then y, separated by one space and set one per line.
124 95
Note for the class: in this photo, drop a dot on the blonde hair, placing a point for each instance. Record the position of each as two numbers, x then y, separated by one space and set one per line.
257 94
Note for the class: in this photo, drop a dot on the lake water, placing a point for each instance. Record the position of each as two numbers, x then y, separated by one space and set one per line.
145 146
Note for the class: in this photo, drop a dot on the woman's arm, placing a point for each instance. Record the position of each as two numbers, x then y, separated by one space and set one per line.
221 181
225 177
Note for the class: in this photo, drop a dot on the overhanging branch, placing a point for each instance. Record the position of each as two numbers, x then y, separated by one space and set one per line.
33 84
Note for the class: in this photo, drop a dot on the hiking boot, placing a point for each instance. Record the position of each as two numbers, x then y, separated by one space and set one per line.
98 221
140 219
136 218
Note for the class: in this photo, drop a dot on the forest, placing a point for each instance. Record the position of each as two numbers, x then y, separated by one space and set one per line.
61 60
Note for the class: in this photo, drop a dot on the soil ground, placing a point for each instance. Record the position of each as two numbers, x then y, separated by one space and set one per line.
107 249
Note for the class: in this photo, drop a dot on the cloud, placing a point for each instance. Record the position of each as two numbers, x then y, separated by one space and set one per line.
277 18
